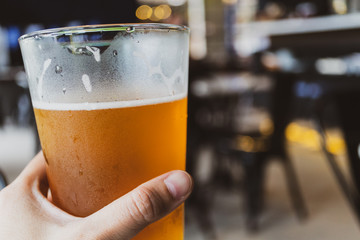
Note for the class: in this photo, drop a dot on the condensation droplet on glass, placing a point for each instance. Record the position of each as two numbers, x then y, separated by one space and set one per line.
115 53
64 90
79 50
130 29
58 69
37 37
81 172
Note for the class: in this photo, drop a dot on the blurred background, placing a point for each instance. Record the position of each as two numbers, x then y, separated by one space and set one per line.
274 95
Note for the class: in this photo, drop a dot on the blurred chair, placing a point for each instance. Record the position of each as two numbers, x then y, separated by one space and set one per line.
343 99
334 105
332 94
212 122
272 145
340 88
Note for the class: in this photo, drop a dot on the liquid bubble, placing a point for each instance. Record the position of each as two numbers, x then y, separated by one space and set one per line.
130 29
58 69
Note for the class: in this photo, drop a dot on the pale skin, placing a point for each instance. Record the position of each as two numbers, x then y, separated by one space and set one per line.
26 210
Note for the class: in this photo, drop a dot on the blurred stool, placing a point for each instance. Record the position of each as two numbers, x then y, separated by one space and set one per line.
212 124
268 144
345 102
254 158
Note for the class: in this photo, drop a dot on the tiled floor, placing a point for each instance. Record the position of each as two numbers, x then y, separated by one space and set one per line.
330 217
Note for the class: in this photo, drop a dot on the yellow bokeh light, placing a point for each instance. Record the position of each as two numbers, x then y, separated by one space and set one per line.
293 132
311 139
245 143
144 12
335 145
339 6
266 127
303 135
162 12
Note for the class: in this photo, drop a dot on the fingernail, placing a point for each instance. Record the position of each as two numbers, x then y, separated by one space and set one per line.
179 184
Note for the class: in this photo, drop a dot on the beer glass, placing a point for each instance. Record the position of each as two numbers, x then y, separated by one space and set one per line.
110 103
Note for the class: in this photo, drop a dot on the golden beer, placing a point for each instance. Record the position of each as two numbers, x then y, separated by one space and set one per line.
95 156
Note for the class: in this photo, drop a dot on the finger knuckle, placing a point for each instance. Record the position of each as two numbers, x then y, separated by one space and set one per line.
146 205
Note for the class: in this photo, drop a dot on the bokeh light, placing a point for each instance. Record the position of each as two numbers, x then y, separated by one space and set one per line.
306 136
144 12
162 11
335 145
245 143
340 6
266 127
310 138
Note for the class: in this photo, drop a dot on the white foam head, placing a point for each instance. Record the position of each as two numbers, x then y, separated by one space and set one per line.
105 105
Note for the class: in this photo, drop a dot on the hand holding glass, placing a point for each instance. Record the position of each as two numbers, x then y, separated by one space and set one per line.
110 103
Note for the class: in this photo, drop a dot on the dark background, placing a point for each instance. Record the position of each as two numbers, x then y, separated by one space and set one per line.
23 12
16 16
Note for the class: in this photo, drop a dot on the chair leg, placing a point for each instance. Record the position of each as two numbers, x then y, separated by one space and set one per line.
202 196
254 189
202 204
294 189
350 190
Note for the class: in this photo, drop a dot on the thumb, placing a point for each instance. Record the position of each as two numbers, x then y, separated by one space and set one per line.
128 215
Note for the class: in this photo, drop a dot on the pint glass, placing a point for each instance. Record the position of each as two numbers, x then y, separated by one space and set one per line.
110 103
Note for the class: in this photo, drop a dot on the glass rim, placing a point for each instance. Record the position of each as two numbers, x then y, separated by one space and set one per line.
120 27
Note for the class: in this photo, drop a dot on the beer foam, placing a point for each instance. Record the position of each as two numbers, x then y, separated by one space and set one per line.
88 106
137 65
